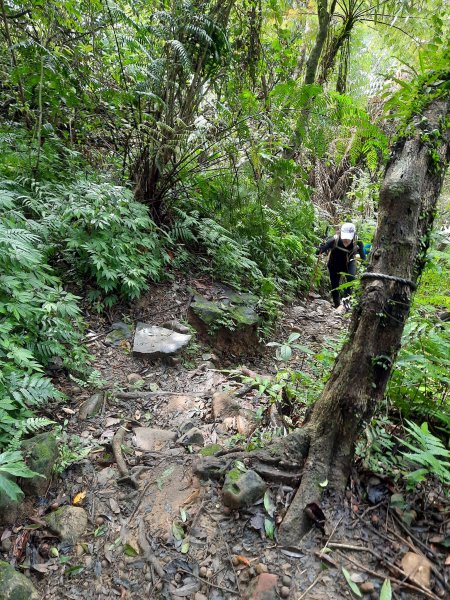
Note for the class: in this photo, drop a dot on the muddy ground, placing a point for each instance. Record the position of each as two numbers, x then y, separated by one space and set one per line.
167 534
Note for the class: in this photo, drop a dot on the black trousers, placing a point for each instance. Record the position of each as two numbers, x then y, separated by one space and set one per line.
335 272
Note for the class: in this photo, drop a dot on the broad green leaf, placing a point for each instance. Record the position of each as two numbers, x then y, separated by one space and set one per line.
355 589
285 352
10 488
177 530
269 528
386 591
269 503
129 550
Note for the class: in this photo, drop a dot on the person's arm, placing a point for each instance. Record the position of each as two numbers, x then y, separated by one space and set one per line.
325 246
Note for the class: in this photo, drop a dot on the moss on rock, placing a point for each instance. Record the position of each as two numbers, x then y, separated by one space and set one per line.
14 585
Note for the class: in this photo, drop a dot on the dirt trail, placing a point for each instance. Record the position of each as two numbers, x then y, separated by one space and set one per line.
170 536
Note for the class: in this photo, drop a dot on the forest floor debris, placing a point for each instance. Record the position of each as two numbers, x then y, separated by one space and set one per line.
155 531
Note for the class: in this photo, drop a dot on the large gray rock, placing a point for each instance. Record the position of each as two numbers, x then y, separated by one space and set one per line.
40 453
14 585
151 341
242 489
232 319
68 522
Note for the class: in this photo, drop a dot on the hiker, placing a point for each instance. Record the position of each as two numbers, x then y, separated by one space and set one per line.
342 249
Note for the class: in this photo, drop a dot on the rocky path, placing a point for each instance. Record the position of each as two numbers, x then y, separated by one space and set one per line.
131 520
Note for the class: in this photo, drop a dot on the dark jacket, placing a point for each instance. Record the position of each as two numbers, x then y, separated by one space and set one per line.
338 255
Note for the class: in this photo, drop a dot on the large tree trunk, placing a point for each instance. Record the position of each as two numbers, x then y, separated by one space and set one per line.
408 197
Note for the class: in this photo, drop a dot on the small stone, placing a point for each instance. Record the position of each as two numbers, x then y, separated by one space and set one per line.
99 520
367 587
105 563
193 437
285 591
209 574
202 571
120 332
244 576
91 406
286 580
200 596
264 587
235 561
261 568
68 522
242 488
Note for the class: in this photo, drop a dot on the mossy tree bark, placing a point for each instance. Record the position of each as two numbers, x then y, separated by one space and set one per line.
408 198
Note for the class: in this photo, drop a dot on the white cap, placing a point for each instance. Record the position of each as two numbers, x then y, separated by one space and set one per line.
347 231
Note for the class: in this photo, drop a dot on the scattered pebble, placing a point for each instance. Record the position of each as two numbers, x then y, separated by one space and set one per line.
286 580
203 571
285 591
261 568
367 587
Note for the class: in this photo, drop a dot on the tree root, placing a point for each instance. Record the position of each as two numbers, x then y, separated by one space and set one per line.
284 454
121 464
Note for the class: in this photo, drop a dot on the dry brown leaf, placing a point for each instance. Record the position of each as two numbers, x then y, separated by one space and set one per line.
79 498
418 568
191 498
243 560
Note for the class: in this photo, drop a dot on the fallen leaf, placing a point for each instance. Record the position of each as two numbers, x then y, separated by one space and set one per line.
79 498
68 411
447 561
418 568
114 506
355 589
243 560
129 550
192 496
386 591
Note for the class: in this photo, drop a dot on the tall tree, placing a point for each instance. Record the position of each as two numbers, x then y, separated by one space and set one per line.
411 187
324 14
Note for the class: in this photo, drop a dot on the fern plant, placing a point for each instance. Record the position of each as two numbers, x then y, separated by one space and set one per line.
11 464
428 452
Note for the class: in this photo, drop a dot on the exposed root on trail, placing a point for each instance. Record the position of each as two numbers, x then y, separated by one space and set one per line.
118 456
